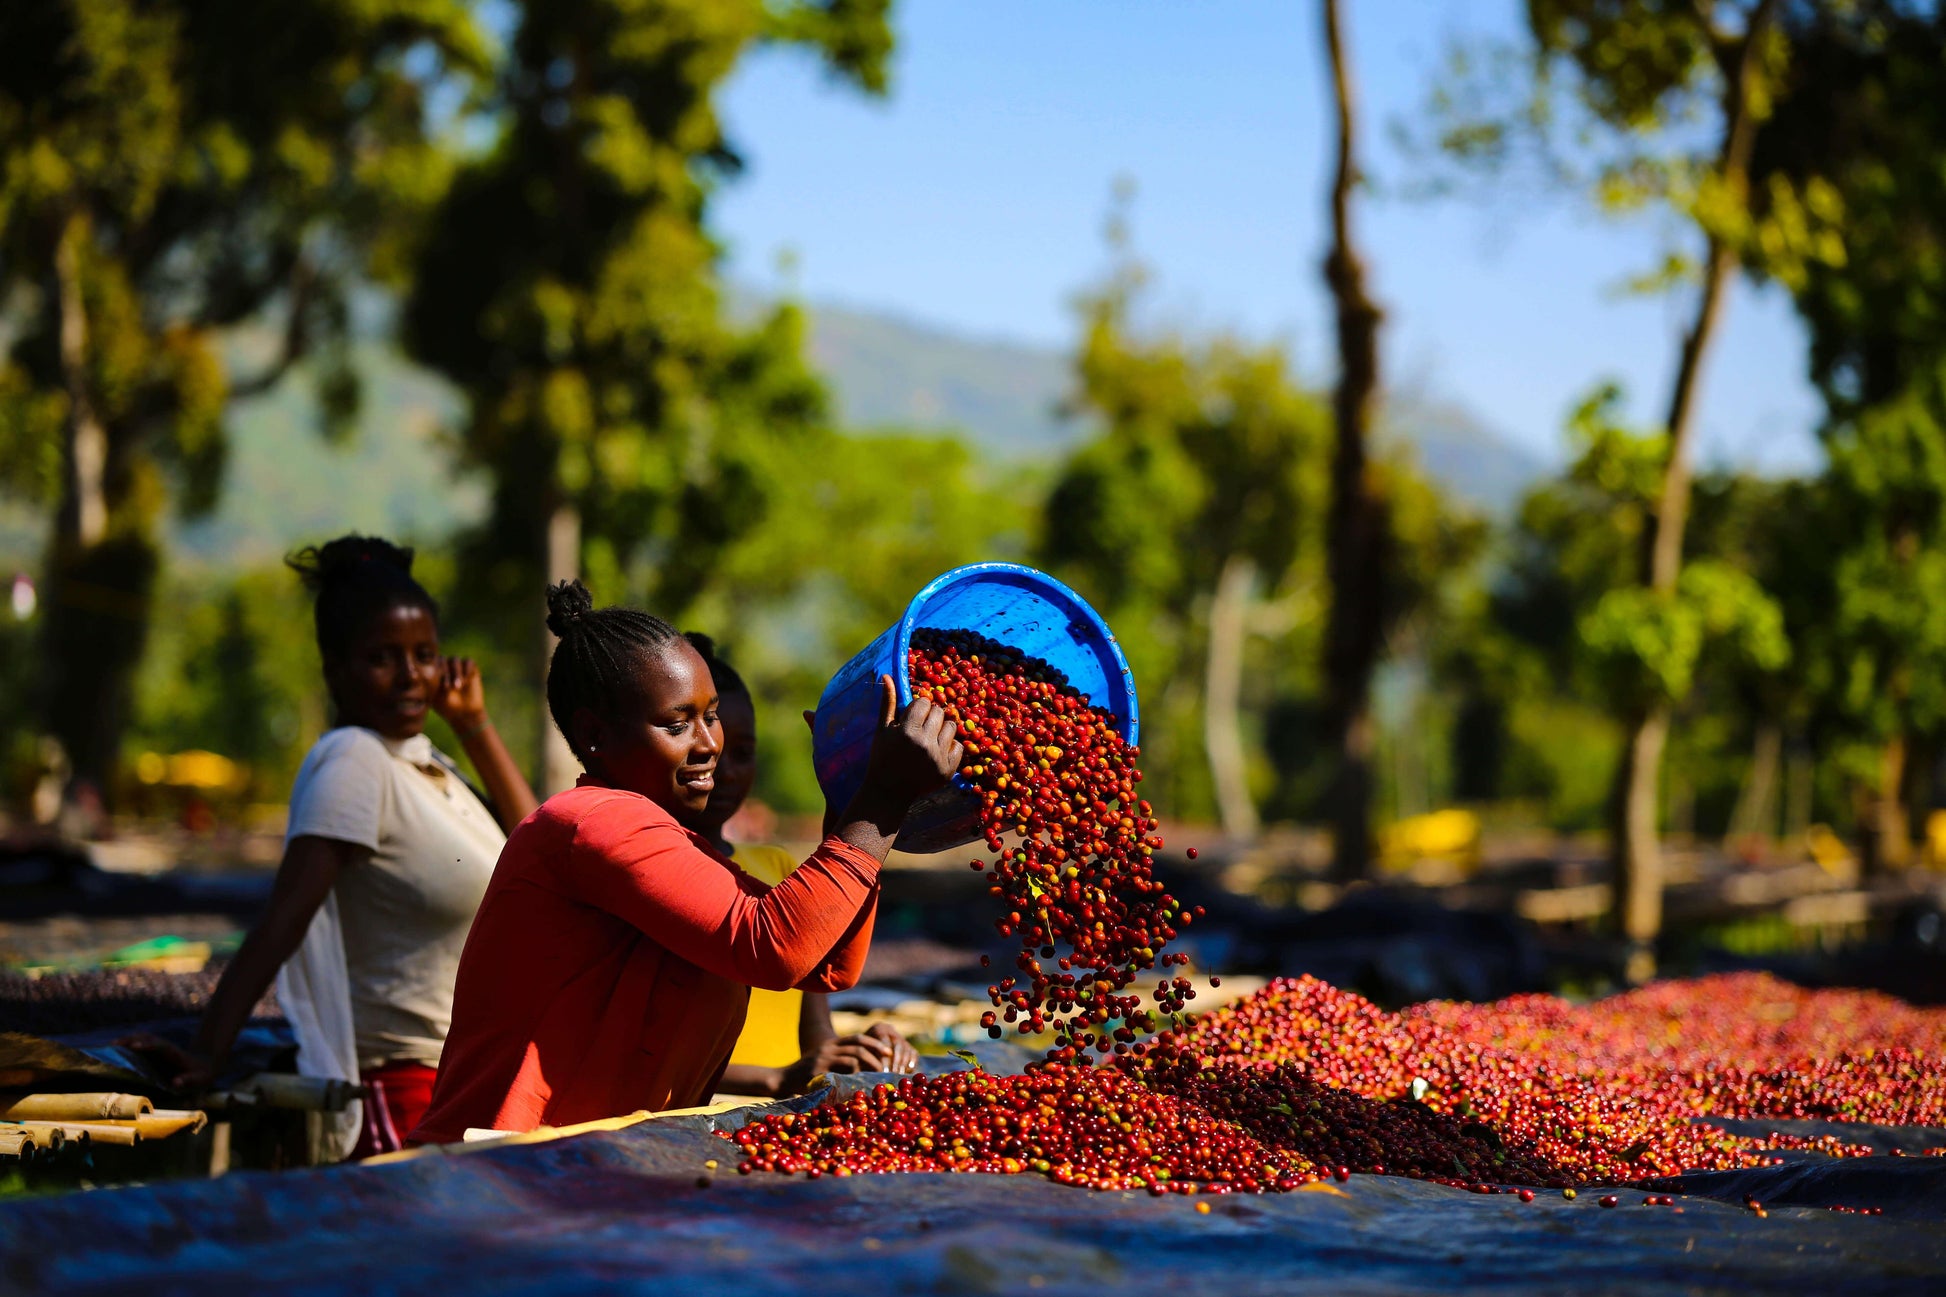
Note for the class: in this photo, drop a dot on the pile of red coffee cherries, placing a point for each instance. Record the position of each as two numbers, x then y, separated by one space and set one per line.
1173 1129
1574 1089
1092 1126
1743 1045
1302 1081
1073 875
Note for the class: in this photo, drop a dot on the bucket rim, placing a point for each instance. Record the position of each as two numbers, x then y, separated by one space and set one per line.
1076 607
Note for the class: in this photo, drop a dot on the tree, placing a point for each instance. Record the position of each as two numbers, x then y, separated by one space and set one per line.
169 171
569 289
1668 97
792 597
1571 602
1860 131
1359 543
1202 493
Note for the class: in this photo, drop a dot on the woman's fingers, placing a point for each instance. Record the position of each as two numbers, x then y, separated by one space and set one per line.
930 721
877 1051
186 1070
888 703
902 1057
849 1056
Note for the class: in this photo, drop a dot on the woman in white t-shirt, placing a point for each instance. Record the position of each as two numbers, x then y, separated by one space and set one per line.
386 855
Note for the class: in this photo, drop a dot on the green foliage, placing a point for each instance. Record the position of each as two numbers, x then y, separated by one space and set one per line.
856 526
1568 634
208 157
1862 121
1649 645
1206 451
568 286
1886 631
234 671
179 166
1626 101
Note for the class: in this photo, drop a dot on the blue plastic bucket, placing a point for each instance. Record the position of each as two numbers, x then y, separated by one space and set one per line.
1030 612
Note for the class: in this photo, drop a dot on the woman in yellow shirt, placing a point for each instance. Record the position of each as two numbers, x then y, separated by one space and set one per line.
787 1035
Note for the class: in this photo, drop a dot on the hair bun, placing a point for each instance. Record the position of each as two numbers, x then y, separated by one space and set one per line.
567 603
702 643
319 566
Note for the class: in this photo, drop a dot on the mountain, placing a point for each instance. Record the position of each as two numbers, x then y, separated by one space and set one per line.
1465 457
887 371
286 485
1003 396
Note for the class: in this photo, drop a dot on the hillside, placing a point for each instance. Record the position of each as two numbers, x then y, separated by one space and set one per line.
286 485
889 371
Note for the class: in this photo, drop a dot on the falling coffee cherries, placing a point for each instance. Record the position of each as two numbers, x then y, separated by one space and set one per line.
1073 873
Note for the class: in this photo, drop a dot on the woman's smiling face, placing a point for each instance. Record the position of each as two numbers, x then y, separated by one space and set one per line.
665 745
385 677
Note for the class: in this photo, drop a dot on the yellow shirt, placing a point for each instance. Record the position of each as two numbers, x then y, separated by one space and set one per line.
770 1024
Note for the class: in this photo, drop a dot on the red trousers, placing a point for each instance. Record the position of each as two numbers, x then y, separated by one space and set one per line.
396 1097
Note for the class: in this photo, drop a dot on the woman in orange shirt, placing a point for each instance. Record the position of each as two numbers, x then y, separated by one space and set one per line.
610 963
787 1036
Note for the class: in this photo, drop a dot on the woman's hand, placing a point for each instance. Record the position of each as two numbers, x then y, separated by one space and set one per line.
913 754
187 1071
904 1058
880 1049
460 698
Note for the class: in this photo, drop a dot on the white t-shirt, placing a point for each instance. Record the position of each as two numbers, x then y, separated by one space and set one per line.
405 910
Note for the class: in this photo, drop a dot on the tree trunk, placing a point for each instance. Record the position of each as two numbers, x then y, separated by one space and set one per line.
92 594
1357 528
1888 827
1637 855
82 520
99 607
1800 773
561 552
1222 729
1641 870
1756 808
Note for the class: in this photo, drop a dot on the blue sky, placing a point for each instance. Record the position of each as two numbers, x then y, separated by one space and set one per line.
973 198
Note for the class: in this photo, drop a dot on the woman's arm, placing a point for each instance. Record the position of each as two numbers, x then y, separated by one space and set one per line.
824 1051
810 930
310 867
461 700
885 1044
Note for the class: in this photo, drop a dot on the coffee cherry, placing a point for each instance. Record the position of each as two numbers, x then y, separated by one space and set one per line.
1078 883
1303 1081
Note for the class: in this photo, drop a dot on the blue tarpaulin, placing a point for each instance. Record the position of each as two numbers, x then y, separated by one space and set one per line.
637 1210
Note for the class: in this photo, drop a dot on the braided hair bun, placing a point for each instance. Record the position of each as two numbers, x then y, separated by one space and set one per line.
600 653
351 580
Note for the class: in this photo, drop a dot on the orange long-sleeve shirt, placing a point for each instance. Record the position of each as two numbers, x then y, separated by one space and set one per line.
610 964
